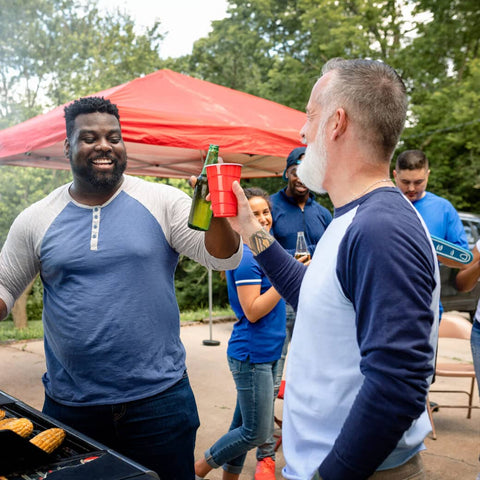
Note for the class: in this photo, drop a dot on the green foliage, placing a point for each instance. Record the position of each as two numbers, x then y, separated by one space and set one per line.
230 56
275 49
20 187
180 183
203 314
52 51
34 329
191 284
98 51
433 44
447 130
35 301
8 332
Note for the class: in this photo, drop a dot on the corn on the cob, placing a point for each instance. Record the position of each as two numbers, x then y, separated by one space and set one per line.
5 421
49 439
21 426
2 415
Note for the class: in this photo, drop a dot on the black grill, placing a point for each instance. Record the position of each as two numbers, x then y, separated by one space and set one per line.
79 457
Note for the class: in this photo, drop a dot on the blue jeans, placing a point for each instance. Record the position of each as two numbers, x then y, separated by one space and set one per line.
157 432
475 344
290 324
252 422
268 448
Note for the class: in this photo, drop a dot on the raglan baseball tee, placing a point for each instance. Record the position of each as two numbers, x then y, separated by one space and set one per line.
111 319
362 352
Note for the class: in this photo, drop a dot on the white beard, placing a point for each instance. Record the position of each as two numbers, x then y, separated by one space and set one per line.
312 169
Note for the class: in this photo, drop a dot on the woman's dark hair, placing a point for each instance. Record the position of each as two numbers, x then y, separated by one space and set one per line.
251 192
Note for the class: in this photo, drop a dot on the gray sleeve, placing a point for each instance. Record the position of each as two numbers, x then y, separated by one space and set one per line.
171 207
20 255
191 242
19 261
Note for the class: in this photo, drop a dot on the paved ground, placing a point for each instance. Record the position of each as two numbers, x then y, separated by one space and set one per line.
453 456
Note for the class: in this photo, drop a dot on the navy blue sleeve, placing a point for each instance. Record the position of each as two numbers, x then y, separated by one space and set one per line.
284 272
386 269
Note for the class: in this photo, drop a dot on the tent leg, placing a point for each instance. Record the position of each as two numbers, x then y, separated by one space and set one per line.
210 342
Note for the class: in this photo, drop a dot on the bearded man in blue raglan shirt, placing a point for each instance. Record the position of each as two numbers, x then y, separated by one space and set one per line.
106 246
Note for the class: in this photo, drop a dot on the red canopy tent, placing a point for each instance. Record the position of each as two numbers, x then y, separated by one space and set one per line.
168 120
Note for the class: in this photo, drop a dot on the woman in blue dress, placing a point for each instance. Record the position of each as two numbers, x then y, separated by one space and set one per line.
253 351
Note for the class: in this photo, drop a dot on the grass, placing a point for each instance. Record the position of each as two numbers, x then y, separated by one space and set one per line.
34 329
203 314
8 332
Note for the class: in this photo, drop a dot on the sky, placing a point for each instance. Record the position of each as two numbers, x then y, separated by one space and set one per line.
185 20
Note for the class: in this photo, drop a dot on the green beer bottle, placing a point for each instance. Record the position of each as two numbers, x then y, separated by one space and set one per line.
200 213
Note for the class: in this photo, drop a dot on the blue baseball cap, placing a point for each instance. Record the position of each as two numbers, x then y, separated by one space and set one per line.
293 159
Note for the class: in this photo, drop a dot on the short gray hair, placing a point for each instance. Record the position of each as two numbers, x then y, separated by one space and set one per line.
373 95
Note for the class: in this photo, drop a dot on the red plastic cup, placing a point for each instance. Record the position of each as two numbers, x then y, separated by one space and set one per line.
220 179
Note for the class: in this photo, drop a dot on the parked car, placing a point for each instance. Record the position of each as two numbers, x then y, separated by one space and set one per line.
450 297
471 223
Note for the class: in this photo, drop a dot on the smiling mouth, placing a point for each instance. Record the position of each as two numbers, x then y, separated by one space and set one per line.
102 161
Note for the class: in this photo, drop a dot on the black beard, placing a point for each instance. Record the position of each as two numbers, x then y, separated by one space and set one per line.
99 180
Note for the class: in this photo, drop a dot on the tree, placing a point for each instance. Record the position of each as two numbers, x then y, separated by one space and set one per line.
278 49
19 309
233 55
275 49
54 50
447 129
443 67
20 187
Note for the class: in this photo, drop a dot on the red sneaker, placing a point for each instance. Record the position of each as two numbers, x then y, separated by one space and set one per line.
265 469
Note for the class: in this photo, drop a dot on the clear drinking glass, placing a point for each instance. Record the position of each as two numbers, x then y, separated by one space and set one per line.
301 250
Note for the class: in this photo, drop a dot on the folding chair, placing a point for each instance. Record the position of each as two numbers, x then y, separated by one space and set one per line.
454 326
